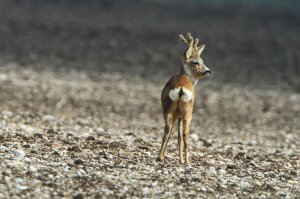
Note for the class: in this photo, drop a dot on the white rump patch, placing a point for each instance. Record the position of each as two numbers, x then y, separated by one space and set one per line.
174 94
186 95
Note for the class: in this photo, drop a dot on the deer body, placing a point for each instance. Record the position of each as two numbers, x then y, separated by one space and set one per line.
178 96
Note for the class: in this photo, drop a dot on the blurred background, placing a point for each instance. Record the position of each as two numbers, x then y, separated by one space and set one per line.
250 43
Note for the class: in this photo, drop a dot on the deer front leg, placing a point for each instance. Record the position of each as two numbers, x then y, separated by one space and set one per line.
168 129
186 124
180 142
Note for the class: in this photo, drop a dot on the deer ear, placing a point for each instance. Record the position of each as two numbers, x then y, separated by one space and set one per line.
188 52
200 49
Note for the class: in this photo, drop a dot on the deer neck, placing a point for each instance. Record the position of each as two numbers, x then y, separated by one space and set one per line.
183 72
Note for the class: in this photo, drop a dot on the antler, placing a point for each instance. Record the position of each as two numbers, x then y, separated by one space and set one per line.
196 43
181 37
189 41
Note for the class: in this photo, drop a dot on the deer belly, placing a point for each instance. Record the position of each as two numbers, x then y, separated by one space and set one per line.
180 93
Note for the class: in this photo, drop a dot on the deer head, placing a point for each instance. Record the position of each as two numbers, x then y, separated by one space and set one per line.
193 65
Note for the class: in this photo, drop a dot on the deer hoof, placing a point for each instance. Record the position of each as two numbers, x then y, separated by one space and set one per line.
160 159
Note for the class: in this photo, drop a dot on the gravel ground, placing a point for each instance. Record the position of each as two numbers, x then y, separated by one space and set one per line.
78 134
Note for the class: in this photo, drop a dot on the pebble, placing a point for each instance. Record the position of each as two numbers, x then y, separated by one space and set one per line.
212 171
78 196
211 190
81 172
7 113
100 130
48 118
32 168
244 184
18 152
223 186
3 147
22 187
194 137
258 183
145 190
27 128
260 174
280 194
204 189
222 171
19 180
3 77
66 169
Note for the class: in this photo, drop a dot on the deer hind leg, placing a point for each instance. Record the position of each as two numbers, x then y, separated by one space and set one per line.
186 123
169 120
180 141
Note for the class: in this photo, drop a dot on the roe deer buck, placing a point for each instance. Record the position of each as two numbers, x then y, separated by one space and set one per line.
178 96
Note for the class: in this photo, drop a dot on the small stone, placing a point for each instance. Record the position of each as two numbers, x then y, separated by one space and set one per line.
222 171
78 162
253 143
260 174
78 196
188 168
2 148
145 190
294 182
100 130
18 152
91 138
81 172
32 168
168 194
194 137
212 171
3 77
56 152
244 184
212 161
165 171
179 170
22 187
48 118
27 128
50 176
66 169
280 194
223 186
204 189
258 183
154 184
82 121
184 180
38 135
211 190
7 113
19 180
26 146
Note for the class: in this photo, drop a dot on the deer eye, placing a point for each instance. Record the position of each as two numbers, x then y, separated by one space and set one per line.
195 63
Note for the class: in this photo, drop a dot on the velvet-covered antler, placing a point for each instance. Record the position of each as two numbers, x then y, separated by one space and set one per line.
190 41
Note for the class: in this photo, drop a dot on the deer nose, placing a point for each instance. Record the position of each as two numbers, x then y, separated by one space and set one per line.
207 72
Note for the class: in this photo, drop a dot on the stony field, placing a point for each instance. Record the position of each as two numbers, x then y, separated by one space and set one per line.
76 134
